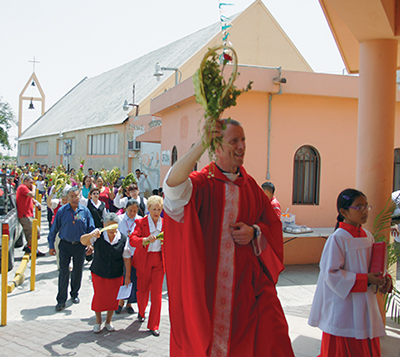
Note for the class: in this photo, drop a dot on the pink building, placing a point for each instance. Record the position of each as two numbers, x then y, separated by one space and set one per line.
312 154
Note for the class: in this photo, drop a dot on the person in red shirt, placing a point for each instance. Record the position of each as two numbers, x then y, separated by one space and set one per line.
25 201
269 189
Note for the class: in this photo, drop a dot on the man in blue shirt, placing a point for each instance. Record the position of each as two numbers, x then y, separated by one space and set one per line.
71 222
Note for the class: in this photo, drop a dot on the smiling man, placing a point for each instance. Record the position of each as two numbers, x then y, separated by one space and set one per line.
223 256
71 222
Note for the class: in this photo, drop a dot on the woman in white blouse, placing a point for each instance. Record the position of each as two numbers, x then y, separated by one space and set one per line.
132 192
126 226
112 254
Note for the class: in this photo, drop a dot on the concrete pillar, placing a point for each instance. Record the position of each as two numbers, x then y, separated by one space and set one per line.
376 114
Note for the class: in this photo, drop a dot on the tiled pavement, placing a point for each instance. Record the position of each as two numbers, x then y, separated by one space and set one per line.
35 329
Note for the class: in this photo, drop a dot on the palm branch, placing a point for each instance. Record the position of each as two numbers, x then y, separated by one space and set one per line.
382 223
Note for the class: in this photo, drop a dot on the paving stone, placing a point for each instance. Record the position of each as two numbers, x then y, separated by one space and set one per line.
34 328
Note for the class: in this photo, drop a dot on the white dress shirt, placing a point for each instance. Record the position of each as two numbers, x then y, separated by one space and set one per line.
127 226
84 202
121 202
155 229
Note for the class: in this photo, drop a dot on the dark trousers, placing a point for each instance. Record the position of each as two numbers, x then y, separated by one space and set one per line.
66 252
49 217
132 297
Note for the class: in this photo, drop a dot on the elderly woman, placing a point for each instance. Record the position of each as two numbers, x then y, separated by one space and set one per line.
112 253
126 226
132 193
148 261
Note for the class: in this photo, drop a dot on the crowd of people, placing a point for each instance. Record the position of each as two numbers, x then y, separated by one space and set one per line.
222 254
92 220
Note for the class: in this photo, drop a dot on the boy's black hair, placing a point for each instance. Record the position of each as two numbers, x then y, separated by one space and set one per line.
268 186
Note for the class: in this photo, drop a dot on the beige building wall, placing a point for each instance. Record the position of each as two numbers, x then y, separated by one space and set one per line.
258 40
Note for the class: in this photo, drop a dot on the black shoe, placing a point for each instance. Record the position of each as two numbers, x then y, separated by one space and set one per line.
140 318
40 254
130 310
60 307
118 311
155 333
75 300
26 249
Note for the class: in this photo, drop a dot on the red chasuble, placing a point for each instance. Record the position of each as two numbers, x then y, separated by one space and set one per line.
222 297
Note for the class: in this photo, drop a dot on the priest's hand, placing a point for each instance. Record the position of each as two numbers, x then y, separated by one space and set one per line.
242 234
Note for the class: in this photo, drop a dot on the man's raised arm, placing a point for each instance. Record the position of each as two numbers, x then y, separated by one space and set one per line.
184 166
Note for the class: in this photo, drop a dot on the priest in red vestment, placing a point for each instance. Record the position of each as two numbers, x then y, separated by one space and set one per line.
223 255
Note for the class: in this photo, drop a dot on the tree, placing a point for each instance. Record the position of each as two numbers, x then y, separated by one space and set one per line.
6 119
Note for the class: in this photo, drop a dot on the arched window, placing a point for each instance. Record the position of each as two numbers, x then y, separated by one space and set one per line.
174 156
396 170
306 176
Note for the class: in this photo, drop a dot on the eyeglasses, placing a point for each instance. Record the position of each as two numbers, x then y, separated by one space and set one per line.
362 208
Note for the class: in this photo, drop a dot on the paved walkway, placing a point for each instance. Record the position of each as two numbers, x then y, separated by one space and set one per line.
35 329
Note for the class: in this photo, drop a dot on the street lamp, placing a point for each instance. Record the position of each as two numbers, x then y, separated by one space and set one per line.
126 104
159 72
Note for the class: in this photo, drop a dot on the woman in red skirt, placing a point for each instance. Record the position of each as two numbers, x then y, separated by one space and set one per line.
112 253
148 261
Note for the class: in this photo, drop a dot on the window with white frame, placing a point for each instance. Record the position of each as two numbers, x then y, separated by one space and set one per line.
103 144
24 149
42 148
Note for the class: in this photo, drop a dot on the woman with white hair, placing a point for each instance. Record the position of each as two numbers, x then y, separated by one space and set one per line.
148 261
112 253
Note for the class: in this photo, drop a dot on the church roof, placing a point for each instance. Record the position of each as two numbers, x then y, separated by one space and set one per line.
98 101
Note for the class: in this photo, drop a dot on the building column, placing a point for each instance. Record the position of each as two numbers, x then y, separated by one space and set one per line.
376 118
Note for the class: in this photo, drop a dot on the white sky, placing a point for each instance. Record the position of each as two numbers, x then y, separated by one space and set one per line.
78 38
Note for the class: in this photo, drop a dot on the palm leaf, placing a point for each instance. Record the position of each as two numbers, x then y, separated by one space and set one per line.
382 224
392 303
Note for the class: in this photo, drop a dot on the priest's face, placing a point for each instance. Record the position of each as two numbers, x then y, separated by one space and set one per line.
231 153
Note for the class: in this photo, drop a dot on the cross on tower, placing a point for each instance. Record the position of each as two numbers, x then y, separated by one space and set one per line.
34 63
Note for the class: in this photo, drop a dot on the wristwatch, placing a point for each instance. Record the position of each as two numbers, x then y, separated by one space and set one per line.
257 231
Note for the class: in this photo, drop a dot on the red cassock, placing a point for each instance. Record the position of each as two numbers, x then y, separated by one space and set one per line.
150 272
222 297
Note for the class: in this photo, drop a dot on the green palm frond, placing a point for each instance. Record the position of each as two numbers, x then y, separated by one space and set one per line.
392 303
382 223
